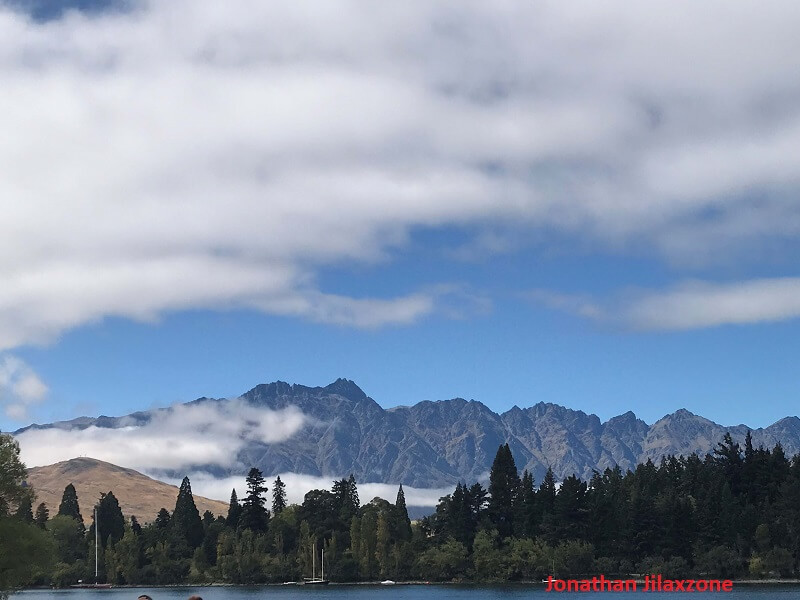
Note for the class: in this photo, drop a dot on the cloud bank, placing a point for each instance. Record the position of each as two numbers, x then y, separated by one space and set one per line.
184 437
147 172
178 438
298 484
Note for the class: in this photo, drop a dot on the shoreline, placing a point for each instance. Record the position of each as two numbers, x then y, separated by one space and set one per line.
736 582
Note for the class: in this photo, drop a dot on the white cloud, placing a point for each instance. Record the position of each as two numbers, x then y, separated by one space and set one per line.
20 387
689 305
298 484
694 305
177 438
146 172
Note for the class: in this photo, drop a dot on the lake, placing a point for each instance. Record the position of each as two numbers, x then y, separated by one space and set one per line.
397 592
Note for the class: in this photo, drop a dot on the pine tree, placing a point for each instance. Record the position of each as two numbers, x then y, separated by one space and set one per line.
69 505
186 520
234 511
346 498
278 496
25 510
527 513
547 492
135 527
402 522
163 519
42 515
112 521
504 486
255 516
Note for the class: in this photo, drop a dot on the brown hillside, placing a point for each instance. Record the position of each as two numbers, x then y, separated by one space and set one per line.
138 495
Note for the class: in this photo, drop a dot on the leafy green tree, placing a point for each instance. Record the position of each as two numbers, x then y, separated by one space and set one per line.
489 560
186 520
25 553
25 550
12 474
68 539
443 563
383 544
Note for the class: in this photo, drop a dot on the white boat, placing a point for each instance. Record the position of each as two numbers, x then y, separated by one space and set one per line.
314 580
387 582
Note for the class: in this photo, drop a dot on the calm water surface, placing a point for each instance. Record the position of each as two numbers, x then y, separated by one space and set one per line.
397 592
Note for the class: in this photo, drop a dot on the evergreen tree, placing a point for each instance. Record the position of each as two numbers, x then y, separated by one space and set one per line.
504 486
527 514
163 519
234 511
346 498
255 516
186 520
25 510
570 510
278 496
402 526
547 491
69 505
112 522
42 515
135 527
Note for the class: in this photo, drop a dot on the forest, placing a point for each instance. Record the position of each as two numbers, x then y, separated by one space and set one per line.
734 513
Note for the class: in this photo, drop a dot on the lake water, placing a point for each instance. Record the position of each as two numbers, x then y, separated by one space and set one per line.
397 592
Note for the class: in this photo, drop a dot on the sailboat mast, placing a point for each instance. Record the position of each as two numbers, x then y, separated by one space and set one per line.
323 562
314 561
96 544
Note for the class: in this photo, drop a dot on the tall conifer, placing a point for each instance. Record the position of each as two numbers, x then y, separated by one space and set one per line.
186 518
278 496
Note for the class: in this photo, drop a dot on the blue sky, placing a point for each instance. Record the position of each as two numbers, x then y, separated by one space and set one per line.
511 203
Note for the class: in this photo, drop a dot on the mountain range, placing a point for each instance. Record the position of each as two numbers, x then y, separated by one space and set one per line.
438 443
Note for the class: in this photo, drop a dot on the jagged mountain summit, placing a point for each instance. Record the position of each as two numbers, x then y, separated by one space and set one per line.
433 444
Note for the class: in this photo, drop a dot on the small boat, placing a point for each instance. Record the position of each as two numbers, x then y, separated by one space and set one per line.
314 580
289 583
387 582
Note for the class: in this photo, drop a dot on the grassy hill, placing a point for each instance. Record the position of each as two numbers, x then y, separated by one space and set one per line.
138 495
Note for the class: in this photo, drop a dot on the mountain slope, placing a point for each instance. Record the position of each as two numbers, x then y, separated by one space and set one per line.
433 444
138 495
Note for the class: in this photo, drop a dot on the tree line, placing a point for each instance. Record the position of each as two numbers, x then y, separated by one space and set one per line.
733 513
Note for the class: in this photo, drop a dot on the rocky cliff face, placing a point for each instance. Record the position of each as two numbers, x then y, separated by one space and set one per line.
432 444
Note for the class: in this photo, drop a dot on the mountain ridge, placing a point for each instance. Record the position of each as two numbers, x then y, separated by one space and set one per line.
439 442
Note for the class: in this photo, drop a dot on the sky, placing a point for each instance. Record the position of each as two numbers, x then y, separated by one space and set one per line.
513 202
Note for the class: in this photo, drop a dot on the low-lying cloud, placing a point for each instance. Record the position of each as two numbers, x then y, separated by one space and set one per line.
177 438
297 485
